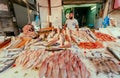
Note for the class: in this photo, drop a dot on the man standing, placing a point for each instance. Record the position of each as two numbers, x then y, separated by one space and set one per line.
71 23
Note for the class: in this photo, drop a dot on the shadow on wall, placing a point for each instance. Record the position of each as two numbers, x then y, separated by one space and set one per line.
21 15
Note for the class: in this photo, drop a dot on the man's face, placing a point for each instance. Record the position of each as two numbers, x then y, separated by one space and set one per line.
71 15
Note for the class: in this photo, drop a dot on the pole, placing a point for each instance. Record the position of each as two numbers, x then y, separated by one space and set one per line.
49 12
39 14
28 14
106 9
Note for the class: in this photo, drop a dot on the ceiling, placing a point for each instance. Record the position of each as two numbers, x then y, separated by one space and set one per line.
31 3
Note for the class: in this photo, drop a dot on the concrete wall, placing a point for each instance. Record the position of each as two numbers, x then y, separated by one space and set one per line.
43 12
21 15
7 26
56 13
56 17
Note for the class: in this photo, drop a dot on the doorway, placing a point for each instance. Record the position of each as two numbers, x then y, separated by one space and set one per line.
80 13
84 13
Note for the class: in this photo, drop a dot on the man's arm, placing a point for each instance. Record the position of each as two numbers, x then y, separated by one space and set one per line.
77 27
65 25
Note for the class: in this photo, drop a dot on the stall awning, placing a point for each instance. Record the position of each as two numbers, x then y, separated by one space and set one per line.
67 2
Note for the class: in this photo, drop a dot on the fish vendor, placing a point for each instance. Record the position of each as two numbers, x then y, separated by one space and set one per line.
71 22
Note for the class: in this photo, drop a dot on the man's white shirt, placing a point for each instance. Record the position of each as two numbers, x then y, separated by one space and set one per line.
71 23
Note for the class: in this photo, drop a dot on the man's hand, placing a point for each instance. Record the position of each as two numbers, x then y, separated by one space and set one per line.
77 27
64 27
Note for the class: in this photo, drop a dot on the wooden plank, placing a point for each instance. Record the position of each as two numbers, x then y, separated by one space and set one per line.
106 9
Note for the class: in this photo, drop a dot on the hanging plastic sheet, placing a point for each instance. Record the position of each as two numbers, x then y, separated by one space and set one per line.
106 21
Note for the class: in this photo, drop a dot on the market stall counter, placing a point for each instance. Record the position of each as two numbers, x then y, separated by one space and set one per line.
61 53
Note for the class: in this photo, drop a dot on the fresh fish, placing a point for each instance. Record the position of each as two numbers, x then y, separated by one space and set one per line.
97 65
43 69
115 52
91 34
51 35
63 73
52 41
75 67
6 65
40 58
55 70
48 73
104 66
69 70
113 67
4 59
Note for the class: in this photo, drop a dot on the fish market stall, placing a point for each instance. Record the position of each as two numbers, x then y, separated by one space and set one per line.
62 53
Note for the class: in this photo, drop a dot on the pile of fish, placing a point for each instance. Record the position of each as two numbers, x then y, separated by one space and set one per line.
28 31
50 54
31 59
83 36
104 37
111 31
19 42
60 38
15 42
64 37
7 58
5 43
114 48
91 45
63 65
105 65
95 53
90 34
46 29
